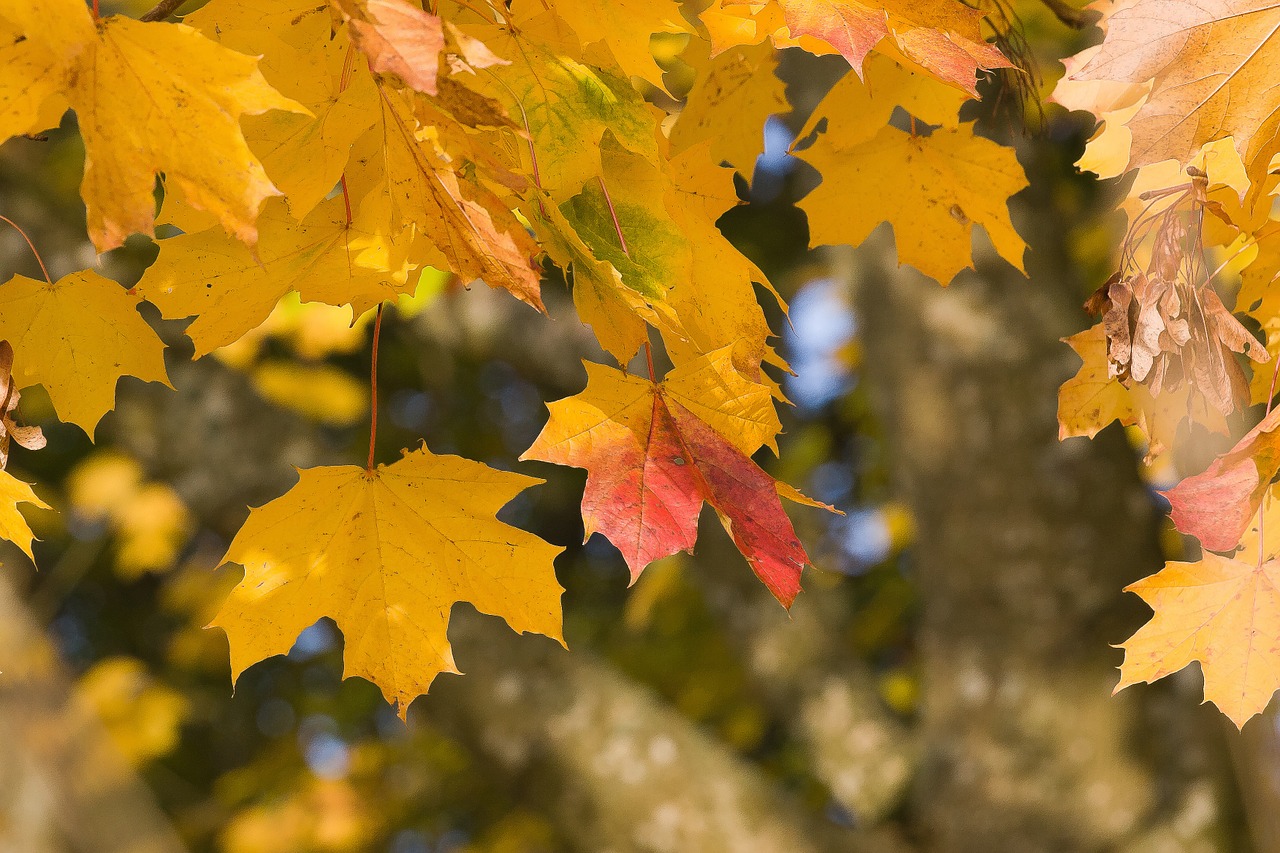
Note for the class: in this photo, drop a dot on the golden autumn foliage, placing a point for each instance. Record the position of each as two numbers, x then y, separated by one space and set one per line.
338 157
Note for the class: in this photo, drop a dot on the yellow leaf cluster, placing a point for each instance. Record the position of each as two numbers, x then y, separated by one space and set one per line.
321 160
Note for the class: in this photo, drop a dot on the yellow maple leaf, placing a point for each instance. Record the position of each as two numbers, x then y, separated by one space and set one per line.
240 24
1222 612
622 28
735 93
150 98
13 526
304 155
737 407
76 337
932 189
856 109
386 554
214 278
1213 70
715 305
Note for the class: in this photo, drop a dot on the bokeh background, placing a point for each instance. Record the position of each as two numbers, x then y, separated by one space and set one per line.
943 683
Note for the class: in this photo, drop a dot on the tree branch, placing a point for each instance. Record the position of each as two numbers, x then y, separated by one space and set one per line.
162 10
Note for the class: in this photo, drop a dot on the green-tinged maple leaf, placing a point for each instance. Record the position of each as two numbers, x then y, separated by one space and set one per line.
229 291
150 98
565 104
77 337
933 189
386 554
1211 67
622 216
1222 612
652 462
616 313
13 526
735 93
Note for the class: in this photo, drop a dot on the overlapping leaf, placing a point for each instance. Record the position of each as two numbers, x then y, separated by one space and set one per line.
150 99
230 291
1211 66
565 104
942 37
470 230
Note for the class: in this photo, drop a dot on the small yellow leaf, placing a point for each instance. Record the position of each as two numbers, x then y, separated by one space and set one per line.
76 337
735 93
13 526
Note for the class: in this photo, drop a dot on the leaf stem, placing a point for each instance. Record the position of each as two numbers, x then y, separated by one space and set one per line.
648 357
528 131
39 259
343 80
613 214
373 390
95 10
346 197
162 10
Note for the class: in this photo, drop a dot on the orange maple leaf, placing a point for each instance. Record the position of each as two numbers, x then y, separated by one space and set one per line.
1221 612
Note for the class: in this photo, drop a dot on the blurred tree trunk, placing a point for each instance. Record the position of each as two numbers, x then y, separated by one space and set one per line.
1024 546
63 784
614 766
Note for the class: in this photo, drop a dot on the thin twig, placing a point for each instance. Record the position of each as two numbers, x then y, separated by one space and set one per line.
162 10
1075 18
39 259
